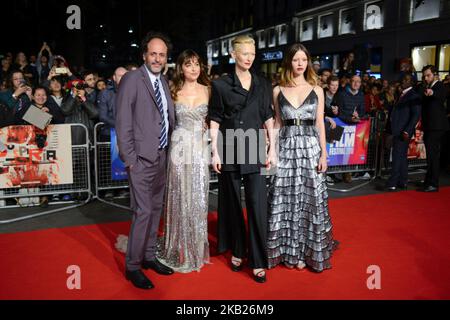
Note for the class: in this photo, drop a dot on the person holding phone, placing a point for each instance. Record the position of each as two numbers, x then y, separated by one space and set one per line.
18 93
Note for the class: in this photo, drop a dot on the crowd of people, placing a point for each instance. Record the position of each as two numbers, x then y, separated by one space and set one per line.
47 81
161 117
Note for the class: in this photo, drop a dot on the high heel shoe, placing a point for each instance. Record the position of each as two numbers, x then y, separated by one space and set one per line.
236 264
260 276
301 265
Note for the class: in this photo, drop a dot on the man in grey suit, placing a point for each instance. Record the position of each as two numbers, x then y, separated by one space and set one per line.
144 120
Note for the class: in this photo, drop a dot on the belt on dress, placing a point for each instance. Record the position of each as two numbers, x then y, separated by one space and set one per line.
298 122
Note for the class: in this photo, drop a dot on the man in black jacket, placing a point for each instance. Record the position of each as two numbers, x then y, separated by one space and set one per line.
402 123
434 121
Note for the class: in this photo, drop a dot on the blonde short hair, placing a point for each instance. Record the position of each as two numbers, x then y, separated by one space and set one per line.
243 39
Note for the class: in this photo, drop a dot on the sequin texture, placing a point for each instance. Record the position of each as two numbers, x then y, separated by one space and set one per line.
184 246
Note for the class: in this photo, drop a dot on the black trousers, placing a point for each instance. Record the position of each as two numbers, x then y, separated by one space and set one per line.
399 173
432 140
232 232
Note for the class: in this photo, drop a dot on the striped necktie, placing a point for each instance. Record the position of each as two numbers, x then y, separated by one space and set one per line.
163 136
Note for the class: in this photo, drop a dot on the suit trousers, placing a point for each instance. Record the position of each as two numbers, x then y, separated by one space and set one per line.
231 224
147 187
399 173
432 140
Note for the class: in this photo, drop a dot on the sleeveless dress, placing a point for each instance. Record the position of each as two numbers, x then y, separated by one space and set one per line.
184 246
299 223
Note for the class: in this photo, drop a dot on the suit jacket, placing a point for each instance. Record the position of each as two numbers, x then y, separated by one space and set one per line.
138 120
405 114
434 115
236 108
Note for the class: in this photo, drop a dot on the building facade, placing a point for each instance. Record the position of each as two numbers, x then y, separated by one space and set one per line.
381 34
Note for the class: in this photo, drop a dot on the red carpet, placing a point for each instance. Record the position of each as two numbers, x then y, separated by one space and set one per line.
406 234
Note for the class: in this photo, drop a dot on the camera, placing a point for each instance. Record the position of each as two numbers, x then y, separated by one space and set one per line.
81 86
40 140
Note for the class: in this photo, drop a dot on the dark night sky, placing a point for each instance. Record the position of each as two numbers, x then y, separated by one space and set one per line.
31 22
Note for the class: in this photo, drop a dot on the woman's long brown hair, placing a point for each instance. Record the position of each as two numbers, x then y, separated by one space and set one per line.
178 78
287 73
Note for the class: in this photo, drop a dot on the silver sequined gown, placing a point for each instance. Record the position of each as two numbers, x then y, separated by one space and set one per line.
299 223
184 246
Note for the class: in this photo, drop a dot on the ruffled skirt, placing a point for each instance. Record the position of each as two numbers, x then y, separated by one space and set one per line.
300 229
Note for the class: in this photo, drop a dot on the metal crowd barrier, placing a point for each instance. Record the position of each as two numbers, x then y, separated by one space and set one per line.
81 182
369 167
102 167
102 170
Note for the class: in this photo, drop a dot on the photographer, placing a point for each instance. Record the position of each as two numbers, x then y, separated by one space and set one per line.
90 79
78 109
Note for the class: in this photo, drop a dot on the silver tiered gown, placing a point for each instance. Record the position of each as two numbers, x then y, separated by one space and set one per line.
184 246
299 223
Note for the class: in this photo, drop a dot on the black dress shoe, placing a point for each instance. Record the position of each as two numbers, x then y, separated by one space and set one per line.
430 189
260 278
139 279
158 267
403 186
391 189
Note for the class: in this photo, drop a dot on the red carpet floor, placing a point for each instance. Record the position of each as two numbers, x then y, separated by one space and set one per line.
406 234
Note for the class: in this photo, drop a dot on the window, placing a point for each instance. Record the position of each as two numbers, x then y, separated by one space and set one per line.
225 47
209 50
216 49
282 34
306 30
325 28
373 15
272 37
437 55
444 60
423 56
347 21
424 9
261 39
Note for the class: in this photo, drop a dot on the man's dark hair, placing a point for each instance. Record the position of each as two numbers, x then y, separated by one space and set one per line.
156 35
325 70
86 73
332 78
59 79
429 67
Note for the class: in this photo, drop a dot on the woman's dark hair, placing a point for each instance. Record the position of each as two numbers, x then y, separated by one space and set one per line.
10 83
41 88
178 76
156 35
